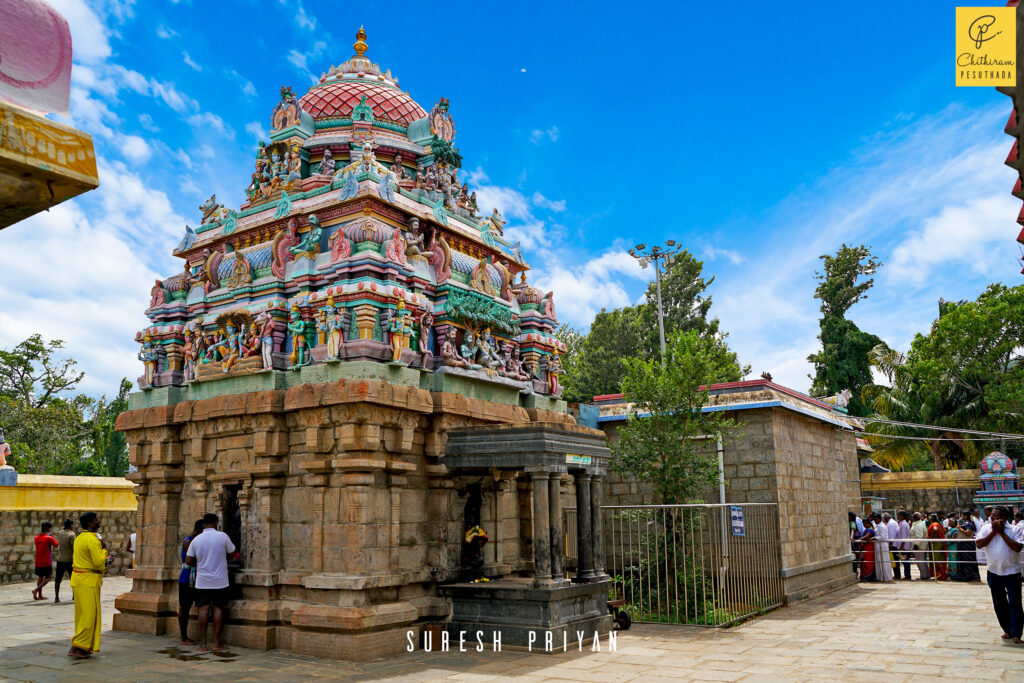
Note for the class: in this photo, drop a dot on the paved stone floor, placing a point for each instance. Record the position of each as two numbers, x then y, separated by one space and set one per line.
906 631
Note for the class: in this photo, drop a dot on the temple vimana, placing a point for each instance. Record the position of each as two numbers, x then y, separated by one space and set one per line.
352 370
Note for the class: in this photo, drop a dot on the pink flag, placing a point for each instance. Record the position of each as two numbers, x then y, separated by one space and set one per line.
35 56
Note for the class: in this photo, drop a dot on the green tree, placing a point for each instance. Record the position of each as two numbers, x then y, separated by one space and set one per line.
43 422
108 455
44 439
965 373
597 364
684 298
31 373
843 361
658 443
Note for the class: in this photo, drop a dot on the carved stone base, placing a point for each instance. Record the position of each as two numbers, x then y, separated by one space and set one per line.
345 514
516 609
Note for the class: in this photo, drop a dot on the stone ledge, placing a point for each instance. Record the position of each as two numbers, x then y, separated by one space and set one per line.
816 566
326 618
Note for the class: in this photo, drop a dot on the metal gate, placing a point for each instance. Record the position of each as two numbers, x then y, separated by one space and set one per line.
709 565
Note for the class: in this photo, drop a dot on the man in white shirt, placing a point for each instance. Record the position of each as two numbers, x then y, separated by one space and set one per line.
1002 543
901 551
883 566
918 531
208 553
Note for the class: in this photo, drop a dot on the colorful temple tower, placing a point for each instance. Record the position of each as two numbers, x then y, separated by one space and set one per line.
1000 484
357 243
352 371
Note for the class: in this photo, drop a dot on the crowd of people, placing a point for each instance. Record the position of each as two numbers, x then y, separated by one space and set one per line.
947 547
203 580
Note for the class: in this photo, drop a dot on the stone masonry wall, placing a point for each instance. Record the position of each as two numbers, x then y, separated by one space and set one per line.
816 467
19 527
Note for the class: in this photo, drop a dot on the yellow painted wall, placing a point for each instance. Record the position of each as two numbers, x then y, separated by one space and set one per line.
940 479
55 492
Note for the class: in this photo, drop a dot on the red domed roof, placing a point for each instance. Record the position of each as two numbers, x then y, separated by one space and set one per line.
336 99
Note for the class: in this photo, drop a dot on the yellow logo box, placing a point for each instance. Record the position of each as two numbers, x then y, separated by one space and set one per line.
986 46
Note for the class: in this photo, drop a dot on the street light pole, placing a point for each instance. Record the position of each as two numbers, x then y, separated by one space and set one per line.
654 256
661 313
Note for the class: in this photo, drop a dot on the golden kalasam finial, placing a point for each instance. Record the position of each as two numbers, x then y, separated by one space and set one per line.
360 45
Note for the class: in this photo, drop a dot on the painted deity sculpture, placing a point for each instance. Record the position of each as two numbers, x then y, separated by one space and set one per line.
327 164
309 245
149 355
297 330
5 450
449 356
414 242
266 339
426 322
400 327
514 366
554 370
490 351
470 349
332 325
228 349
188 353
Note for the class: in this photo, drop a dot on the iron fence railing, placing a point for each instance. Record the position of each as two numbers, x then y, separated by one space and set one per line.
708 565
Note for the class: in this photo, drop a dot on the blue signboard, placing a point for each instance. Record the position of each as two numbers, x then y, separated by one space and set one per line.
736 518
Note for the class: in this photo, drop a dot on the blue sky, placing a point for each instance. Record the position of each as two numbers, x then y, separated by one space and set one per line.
759 137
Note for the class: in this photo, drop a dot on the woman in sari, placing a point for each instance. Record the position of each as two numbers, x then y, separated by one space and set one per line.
938 550
966 558
867 553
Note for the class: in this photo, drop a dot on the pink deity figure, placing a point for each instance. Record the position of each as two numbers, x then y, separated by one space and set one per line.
5 450
189 352
426 322
266 335
554 369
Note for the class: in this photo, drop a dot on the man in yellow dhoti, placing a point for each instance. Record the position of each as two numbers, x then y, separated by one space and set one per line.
90 561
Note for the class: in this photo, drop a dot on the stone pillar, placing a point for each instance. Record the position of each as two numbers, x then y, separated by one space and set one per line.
555 517
597 525
584 532
541 530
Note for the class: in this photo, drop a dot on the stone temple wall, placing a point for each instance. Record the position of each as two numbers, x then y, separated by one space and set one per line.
19 527
346 514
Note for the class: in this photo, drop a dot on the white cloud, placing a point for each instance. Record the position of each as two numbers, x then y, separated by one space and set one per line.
146 121
135 148
190 61
303 18
537 136
209 120
298 59
248 89
712 253
582 291
163 31
78 273
89 37
510 202
974 234
543 202
254 129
